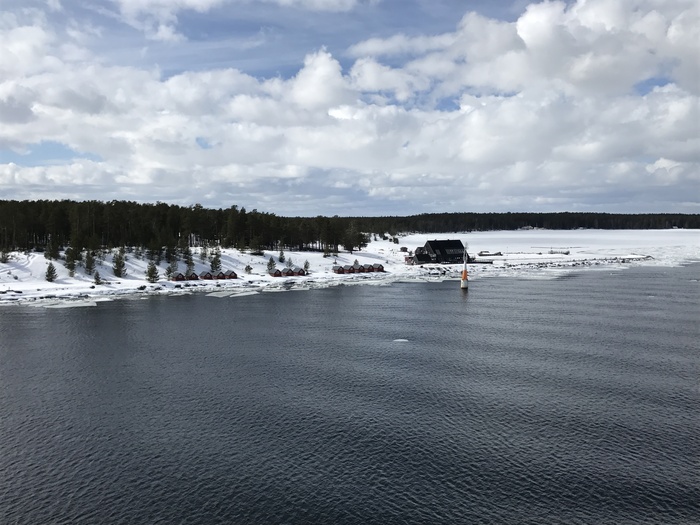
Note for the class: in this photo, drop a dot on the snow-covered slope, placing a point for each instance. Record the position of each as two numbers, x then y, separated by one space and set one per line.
524 253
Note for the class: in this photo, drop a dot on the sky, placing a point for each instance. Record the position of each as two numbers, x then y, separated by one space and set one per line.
354 107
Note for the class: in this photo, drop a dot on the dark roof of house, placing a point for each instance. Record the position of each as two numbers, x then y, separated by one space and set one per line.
444 245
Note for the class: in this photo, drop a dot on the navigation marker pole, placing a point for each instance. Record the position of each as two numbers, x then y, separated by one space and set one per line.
464 283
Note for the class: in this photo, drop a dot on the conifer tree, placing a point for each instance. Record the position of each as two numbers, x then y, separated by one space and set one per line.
154 254
189 262
271 265
256 247
70 261
248 268
52 250
89 263
51 273
306 265
98 279
171 269
216 261
170 254
289 263
152 274
281 257
118 263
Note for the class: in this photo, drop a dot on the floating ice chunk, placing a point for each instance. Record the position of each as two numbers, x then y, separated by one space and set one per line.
72 304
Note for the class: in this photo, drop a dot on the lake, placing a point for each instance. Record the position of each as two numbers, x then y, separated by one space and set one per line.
571 400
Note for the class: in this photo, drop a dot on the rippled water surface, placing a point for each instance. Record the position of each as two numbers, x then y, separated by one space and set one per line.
564 401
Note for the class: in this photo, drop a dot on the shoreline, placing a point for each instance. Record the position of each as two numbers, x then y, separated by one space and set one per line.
524 254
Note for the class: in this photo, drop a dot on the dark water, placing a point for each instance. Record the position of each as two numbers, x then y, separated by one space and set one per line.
569 401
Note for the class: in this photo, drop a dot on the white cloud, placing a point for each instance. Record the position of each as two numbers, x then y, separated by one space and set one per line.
320 84
540 112
400 45
369 75
158 19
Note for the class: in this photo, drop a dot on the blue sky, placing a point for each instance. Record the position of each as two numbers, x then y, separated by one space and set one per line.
353 107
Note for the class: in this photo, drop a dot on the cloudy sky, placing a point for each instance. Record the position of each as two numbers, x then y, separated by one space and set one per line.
354 107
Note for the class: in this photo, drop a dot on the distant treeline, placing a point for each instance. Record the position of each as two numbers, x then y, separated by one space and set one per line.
44 224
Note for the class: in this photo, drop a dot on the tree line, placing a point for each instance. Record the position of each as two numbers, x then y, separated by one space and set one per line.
91 225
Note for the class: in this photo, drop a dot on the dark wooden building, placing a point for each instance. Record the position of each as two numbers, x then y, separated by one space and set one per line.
445 251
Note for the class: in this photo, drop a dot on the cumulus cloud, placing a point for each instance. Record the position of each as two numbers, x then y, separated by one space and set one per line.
589 105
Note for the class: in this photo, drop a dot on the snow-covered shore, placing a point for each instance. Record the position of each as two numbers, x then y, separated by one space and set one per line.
525 253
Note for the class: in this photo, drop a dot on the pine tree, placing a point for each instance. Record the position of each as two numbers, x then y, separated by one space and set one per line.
70 261
271 265
152 274
98 279
306 265
189 262
248 268
118 263
51 273
171 269
155 254
170 254
216 261
89 263
52 250
281 257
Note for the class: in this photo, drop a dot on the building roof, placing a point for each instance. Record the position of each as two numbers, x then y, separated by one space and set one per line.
449 250
448 245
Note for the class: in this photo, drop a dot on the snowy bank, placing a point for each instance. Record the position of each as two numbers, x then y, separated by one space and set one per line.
524 253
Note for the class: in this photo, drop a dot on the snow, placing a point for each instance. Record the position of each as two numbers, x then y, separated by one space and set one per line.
525 254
